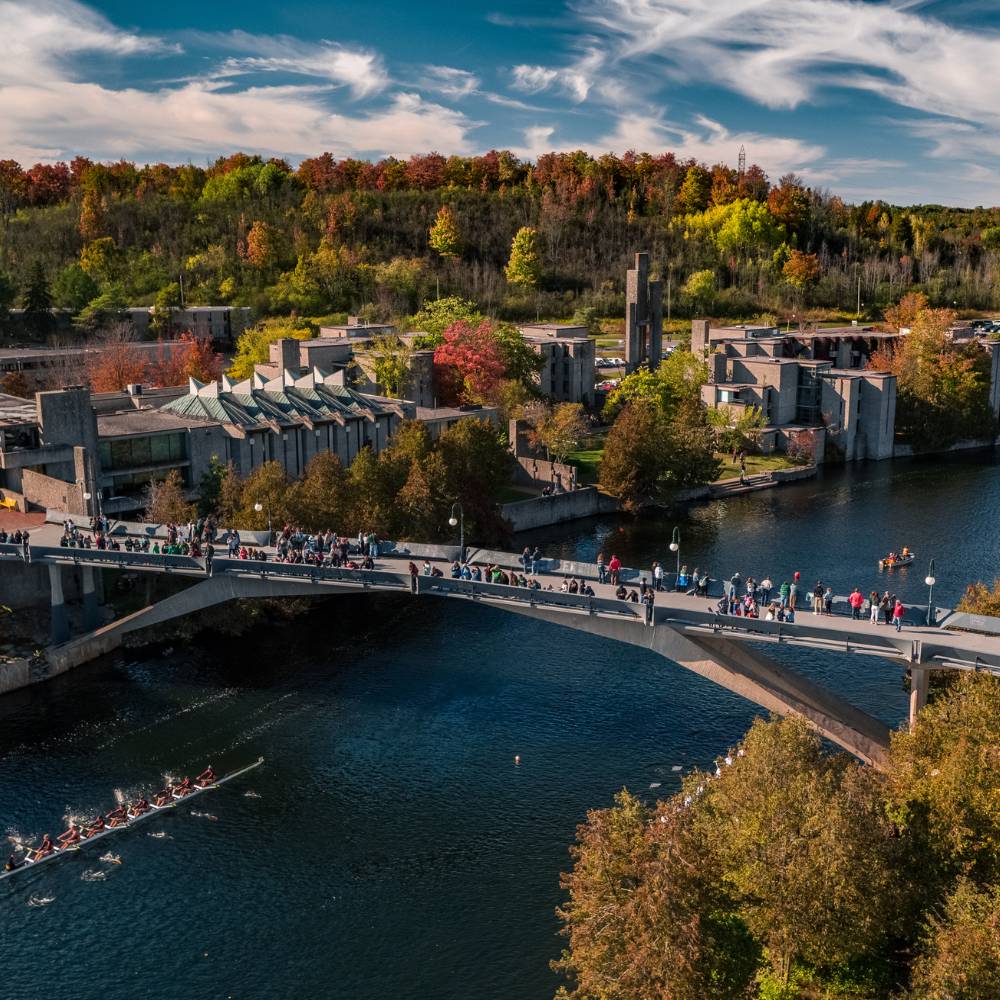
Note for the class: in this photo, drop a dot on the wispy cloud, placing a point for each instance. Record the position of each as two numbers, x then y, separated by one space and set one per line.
361 70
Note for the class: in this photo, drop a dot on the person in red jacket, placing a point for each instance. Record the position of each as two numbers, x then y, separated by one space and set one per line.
615 568
856 601
897 614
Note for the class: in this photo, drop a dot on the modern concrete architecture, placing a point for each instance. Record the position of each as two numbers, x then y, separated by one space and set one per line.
809 400
568 353
643 317
221 324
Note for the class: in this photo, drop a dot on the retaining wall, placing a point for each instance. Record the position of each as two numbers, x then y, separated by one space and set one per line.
539 512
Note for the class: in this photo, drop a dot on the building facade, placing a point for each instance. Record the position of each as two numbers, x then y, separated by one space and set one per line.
568 353
848 412
643 317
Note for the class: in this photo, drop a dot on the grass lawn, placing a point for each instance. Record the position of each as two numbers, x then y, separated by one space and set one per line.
588 458
755 464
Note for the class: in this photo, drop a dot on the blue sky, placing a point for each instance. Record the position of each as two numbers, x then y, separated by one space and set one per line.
897 100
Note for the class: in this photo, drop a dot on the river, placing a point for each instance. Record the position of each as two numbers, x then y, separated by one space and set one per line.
390 846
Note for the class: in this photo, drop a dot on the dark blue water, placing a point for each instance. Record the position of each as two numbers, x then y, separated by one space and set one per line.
394 848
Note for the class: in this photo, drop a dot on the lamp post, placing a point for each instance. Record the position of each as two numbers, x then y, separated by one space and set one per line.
460 523
258 506
675 547
930 581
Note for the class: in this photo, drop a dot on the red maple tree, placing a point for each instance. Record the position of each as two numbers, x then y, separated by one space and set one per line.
469 365
191 357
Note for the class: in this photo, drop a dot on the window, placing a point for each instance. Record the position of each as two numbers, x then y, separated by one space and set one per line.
134 453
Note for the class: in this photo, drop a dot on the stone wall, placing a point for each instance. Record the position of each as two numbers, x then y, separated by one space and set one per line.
46 492
540 512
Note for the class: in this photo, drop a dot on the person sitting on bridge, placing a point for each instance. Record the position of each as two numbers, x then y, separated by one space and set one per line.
477 573
435 571
633 596
586 589
456 570
574 587
564 586
620 592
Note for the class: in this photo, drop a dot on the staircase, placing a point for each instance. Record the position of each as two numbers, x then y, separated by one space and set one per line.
750 484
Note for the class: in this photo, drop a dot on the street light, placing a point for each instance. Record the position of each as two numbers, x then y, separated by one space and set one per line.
675 546
930 581
460 522
258 506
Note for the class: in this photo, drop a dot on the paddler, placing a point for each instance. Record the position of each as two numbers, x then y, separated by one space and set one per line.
118 817
44 849
206 777
71 836
162 797
12 863
140 806
97 826
183 788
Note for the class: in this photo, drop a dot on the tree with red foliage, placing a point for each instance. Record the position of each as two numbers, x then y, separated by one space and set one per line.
117 364
191 357
469 365
48 183
319 173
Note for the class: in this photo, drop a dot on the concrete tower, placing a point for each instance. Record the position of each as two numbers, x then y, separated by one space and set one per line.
643 316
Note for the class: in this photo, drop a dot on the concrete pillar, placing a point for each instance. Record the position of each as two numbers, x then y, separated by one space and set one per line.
919 677
91 615
60 622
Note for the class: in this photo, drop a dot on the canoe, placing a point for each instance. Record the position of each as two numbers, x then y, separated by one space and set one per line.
884 564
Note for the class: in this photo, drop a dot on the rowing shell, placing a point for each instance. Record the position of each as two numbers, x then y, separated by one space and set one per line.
153 810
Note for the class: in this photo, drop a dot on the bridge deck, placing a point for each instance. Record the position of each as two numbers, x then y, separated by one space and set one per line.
930 646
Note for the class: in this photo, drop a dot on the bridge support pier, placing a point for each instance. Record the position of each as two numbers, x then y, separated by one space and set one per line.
919 678
59 621
91 614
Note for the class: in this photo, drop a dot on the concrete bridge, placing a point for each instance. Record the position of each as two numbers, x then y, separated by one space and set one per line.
681 628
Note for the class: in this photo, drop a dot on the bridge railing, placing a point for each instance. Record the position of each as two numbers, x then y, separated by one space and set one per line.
526 595
364 578
118 559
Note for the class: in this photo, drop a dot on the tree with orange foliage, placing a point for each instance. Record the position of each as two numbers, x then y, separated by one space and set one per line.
801 269
905 311
117 364
191 357
260 249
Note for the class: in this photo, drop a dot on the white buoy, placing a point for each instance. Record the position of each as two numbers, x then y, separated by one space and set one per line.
517 758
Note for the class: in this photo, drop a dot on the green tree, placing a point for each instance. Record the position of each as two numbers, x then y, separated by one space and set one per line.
74 288
741 227
445 239
230 496
436 316
390 360
165 502
695 190
737 427
588 317
267 486
252 345
524 267
990 238
945 779
635 458
700 289
675 383
104 311
804 843
321 498
521 361
561 429
645 917
961 959
37 300
210 486
101 260
162 316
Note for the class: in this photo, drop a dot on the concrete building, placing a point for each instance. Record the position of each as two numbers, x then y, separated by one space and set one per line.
806 401
568 353
222 324
643 316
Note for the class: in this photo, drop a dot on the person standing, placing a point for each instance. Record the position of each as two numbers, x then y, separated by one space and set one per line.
536 560
526 559
602 573
614 567
818 598
784 592
828 601
649 599
885 606
657 576
897 614
766 586
793 592
873 607
856 600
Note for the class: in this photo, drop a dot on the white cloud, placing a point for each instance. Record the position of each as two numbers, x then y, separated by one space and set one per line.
533 79
450 81
49 112
359 69
782 53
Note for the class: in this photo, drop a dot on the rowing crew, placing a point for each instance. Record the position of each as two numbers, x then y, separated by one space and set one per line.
117 817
